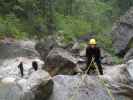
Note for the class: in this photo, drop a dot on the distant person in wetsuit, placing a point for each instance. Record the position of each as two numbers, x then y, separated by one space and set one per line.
35 65
20 66
92 51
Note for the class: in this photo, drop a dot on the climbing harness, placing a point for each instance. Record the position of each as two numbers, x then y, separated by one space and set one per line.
83 77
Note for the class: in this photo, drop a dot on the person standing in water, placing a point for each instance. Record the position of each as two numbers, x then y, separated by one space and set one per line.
21 68
35 65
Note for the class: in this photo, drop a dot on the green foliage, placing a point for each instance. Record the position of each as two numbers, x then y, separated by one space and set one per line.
72 27
10 27
71 18
117 60
105 41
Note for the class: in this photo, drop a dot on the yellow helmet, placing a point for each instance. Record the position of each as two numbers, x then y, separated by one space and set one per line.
92 41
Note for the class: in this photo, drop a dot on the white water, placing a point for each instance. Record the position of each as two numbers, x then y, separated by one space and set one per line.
12 85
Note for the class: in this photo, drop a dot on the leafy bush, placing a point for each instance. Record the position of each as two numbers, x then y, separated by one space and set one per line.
71 27
117 60
10 27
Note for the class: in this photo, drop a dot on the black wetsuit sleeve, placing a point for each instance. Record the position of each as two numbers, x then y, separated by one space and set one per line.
98 53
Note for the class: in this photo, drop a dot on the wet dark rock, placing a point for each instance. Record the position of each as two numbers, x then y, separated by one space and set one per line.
59 61
45 46
43 87
44 90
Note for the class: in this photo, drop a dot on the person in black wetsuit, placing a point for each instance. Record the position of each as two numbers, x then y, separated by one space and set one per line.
93 51
20 66
35 65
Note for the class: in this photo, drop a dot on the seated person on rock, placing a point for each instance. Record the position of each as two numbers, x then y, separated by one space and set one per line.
92 51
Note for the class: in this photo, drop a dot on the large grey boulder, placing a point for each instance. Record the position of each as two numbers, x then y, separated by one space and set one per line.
117 78
73 88
65 88
39 85
122 33
59 61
